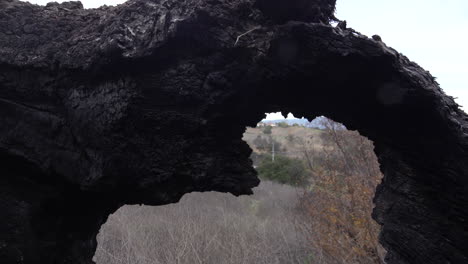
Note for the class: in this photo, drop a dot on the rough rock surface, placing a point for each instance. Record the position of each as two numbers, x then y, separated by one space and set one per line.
147 101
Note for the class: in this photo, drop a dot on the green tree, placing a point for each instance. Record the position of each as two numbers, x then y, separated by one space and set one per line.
261 143
265 144
283 170
267 130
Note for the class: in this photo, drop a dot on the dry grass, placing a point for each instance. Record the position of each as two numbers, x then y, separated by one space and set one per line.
291 148
208 228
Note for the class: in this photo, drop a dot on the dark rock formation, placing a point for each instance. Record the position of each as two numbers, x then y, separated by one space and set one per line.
147 101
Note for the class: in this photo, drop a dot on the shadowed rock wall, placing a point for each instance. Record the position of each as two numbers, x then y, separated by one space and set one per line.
147 101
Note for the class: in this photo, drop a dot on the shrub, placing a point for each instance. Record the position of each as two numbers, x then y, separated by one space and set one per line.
208 228
267 130
283 170
290 138
265 144
261 143
339 202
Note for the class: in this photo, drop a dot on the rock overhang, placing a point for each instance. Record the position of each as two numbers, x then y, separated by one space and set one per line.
146 101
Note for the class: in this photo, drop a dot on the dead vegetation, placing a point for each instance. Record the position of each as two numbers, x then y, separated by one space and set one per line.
327 220
208 228
338 201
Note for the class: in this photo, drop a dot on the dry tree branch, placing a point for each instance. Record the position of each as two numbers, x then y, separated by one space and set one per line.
243 34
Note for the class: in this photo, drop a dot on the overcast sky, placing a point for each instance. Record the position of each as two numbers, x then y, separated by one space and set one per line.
433 33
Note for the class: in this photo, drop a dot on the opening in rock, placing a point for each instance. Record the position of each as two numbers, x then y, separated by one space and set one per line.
87 4
313 205
145 102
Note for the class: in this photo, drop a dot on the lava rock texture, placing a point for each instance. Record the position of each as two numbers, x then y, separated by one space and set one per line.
147 101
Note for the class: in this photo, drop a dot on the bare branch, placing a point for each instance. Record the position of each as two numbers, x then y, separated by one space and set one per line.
243 34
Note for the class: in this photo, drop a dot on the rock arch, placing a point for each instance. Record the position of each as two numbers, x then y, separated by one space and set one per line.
144 102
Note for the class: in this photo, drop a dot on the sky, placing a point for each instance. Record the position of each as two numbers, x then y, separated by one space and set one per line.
86 3
433 33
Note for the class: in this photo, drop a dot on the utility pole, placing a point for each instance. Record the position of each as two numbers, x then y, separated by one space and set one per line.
272 150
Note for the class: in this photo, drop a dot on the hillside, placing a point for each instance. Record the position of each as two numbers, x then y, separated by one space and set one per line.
292 140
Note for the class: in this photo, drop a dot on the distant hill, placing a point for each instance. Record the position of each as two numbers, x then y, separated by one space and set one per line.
290 140
316 123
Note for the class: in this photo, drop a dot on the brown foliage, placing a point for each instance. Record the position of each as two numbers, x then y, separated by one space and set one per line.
338 204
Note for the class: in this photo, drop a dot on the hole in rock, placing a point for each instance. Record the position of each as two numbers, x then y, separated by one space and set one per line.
313 205
87 4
